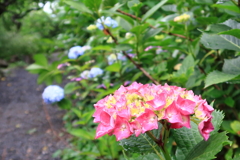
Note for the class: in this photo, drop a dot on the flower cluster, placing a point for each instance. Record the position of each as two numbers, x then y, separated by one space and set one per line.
138 108
77 51
113 58
92 73
52 94
108 21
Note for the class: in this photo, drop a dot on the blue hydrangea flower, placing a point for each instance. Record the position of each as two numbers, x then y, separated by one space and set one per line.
95 72
112 58
74 52
85 74
106 21
52 94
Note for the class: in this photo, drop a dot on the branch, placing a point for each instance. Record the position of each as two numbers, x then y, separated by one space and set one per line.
169 33
107 31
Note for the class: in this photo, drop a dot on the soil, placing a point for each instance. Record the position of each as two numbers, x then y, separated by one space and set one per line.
29 129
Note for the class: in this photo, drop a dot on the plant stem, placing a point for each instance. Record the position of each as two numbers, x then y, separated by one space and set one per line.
149 133
130 58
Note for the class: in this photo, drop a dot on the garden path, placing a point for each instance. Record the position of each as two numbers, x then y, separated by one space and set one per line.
24 123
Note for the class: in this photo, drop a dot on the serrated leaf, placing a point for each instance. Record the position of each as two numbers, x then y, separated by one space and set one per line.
153 9
150 156
186 139
215 41
233 32
141 144
216 77
232 66
79 6
232 23
228 5
216 120
206 150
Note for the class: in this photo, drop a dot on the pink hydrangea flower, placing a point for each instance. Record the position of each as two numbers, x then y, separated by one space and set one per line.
137 109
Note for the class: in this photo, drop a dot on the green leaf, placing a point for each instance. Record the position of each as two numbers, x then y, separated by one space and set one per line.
93 4
77 112
141 144
65 104
153 9
217 120
204 1
82 133
232 66
186 70
125 24
70 87
215 41
79 6
136 76
152 32
150 156
170 7
235 125
115 67
233 32
216 77
140 29
208 149
35 67
228 5
229 101
186 139
103 47
41 59
123 47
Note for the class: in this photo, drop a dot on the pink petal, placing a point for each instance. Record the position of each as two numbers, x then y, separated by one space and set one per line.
136 128
185 106
172 114
205 127
148 120
185 123
102 130
122 129
158 102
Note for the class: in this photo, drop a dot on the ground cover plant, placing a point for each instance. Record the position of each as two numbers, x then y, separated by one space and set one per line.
162 76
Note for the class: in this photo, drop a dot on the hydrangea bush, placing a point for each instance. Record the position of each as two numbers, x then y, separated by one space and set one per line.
147 75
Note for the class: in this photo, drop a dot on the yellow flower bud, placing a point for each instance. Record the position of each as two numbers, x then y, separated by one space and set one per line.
91 27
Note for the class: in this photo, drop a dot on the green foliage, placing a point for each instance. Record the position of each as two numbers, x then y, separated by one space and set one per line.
192 44
141 144
193 146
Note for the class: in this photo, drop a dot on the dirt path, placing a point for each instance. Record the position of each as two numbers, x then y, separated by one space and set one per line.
25 133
